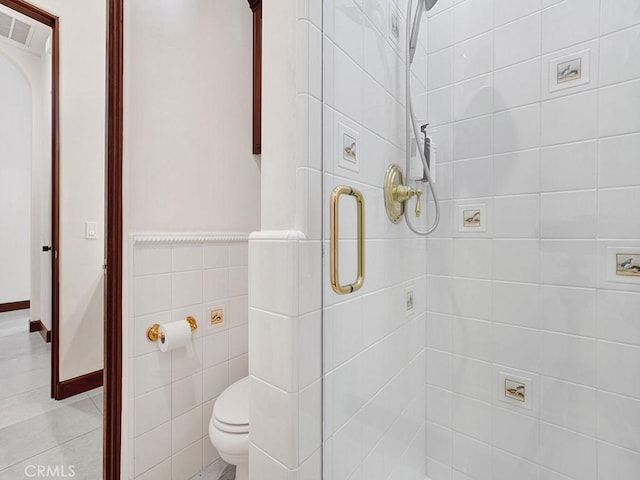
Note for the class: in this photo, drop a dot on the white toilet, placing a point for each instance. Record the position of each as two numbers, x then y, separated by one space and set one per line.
229 427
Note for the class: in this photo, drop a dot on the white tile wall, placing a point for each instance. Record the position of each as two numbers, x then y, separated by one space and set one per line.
534 158
172 394
516 129
555 37
560 177
569 167
284 340
570 118
470 58
618 14
516 173
517 85
517 41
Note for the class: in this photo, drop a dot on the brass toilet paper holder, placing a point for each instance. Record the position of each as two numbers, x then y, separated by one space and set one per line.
153 332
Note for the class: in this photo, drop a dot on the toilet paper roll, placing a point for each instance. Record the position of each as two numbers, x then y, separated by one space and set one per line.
174 335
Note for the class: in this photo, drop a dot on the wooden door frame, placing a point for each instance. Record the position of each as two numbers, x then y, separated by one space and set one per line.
113 224
256 8
112 441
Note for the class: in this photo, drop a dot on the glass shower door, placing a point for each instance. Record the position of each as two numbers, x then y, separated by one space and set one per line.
374 333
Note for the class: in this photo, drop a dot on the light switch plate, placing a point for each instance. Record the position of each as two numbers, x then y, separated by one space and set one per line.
91 230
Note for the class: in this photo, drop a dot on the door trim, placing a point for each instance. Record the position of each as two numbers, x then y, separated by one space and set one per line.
112 444
13 306
256 8
83 383
38 326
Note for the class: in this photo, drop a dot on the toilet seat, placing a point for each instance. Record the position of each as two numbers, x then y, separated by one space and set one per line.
231 410
228 428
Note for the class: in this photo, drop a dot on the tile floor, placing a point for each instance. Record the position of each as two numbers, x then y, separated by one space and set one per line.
218 470
38 432
34 429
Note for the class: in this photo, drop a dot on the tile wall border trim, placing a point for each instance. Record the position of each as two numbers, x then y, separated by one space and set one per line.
186 238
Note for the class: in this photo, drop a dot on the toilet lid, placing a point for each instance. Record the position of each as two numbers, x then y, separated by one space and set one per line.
232 407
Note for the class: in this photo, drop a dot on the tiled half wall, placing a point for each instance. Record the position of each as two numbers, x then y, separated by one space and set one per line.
171 395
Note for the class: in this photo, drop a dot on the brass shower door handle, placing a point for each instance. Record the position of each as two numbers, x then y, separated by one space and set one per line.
334 245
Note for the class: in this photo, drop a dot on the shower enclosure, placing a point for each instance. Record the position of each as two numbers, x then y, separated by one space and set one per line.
506 344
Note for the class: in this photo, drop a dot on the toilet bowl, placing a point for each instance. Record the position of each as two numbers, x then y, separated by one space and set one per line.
229 427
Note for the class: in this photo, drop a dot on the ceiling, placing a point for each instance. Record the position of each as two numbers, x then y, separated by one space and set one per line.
23 32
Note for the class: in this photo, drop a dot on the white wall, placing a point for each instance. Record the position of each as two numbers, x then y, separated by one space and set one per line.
15 179
558 175
36 66
188 166
280 115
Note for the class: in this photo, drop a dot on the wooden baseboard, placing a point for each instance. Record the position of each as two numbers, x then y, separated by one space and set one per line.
11 306
38 326
81 384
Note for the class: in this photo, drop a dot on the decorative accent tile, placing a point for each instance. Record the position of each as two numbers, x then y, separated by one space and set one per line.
570 70
623 264
409 303
472 218
515 390
348 148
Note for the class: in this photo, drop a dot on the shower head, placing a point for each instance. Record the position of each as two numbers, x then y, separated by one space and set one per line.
423 6
429 4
